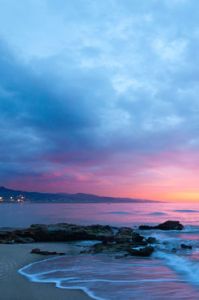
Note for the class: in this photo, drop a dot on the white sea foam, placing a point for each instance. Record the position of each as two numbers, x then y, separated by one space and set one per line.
103 277
182 265
164 276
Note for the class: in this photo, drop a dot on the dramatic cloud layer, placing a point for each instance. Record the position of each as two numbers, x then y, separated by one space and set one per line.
100 97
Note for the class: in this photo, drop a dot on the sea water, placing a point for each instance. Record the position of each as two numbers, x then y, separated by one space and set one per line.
171 272
121 214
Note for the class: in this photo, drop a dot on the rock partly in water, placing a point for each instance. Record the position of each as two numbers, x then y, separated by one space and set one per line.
118 241
43 252
62 232
138 243
138 240
124 235
70 232
113 247
141 251
184 246
168 225
151 240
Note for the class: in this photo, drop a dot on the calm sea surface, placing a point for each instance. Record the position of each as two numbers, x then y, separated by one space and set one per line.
113 214
168 274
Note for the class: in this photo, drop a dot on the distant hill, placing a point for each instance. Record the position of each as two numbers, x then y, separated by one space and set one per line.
9 195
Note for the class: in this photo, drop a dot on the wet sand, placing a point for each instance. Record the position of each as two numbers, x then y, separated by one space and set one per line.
14 286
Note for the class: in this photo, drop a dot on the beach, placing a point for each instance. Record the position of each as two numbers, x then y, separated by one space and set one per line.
153 260
14 286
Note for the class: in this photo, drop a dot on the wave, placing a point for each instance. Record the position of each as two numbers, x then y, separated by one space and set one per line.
165 275
102 277
191 229
183 266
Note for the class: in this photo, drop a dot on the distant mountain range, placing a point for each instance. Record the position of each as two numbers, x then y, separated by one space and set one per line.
9 195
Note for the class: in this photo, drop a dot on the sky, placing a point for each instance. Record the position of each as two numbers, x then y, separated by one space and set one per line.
100 97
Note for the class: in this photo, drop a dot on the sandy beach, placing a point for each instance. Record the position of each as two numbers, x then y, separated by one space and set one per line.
14 286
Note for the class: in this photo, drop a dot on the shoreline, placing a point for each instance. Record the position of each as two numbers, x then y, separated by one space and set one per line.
19 246
14 286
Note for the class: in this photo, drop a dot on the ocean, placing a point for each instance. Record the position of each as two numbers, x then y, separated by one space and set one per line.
124 214
171 272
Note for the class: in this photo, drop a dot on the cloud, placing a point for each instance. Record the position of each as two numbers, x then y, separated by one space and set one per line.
96 93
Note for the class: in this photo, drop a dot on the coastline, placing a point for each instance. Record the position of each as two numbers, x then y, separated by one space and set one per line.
14 286
44 241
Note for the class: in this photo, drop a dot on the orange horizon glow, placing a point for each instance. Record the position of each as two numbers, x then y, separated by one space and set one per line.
169 176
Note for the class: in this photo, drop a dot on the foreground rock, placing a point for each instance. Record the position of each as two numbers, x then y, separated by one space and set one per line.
122 241
124 248
184 246
168 225
61 232
124 235
127 242
141 251
42 252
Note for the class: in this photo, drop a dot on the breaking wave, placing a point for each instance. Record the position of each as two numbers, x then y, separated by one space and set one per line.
106 278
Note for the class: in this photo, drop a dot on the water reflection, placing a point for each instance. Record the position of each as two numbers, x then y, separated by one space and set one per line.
115 214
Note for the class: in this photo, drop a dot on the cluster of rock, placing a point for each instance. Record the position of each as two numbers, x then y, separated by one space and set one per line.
127 242
61 232
124 240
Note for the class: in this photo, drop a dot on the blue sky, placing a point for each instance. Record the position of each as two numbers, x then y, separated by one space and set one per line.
100 96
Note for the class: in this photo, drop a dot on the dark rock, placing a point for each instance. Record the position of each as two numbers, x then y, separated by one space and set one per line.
107 248
24 240
112 239
62 232
4 234
168 225
66 232
114 247
124 235
141 251
138 239
184 246
125 231
146 227
151 240
127 235
42 252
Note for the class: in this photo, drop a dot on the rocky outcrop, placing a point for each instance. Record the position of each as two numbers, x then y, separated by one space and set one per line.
61 232
69 232
168 225
124 248
125 242
122 241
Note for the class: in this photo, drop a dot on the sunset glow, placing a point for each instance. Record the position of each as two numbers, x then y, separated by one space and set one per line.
102 99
